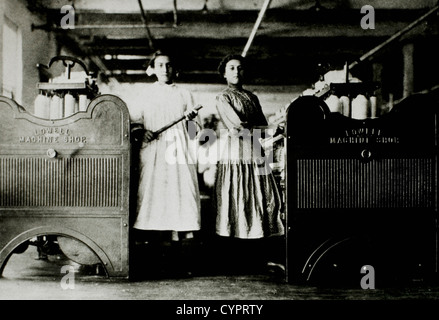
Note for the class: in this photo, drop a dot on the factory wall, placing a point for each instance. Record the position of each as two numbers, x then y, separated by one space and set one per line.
37 47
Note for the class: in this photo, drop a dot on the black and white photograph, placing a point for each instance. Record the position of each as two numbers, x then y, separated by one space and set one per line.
219 158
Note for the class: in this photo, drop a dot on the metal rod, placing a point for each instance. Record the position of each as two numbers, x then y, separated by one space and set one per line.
394 37
99 63
175 13
166 127
145 22
256 27
105 26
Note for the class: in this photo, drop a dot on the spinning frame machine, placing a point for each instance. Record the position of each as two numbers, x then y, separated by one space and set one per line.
356 185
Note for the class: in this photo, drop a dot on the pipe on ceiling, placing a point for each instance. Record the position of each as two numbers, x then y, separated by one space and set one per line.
145 22
256 27
394 37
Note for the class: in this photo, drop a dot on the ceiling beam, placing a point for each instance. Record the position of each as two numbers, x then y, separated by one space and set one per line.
220 25
286 49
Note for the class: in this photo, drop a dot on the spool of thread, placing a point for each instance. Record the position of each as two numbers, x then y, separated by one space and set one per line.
42 106
334 103
373 106
83 103
69 105
360 107
76 108
56 107
61 107
345 105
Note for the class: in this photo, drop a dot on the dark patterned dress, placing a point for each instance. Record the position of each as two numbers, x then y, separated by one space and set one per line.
247 200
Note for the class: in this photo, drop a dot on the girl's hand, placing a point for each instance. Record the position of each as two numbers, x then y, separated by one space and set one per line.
148 136
245 125
190 114
240 131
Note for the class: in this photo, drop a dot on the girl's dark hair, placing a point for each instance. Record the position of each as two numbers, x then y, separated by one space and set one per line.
172 58
159 53
222 65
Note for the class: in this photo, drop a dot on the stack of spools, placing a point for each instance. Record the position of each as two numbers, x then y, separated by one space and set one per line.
360 107
42 106
363 107
66 94
54 105
335 104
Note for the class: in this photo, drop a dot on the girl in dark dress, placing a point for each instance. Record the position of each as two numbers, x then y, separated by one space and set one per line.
248 203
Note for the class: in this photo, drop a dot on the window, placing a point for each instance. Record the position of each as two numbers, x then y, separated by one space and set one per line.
12 69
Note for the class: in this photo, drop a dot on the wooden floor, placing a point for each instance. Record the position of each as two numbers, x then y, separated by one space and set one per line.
27 278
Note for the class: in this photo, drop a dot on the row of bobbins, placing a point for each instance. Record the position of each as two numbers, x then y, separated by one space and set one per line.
55 105
360 107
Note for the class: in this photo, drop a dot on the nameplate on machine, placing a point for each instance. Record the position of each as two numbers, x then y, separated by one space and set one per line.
363 135
53 135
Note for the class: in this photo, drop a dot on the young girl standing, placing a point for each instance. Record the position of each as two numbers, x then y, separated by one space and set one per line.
168 202
248 202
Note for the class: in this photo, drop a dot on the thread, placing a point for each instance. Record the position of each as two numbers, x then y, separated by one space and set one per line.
76 106
345 105
360 107
373 106
56 107
334 104
42 106
69 105
83 103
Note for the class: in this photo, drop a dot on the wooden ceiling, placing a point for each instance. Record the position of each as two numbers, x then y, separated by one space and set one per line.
292 40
